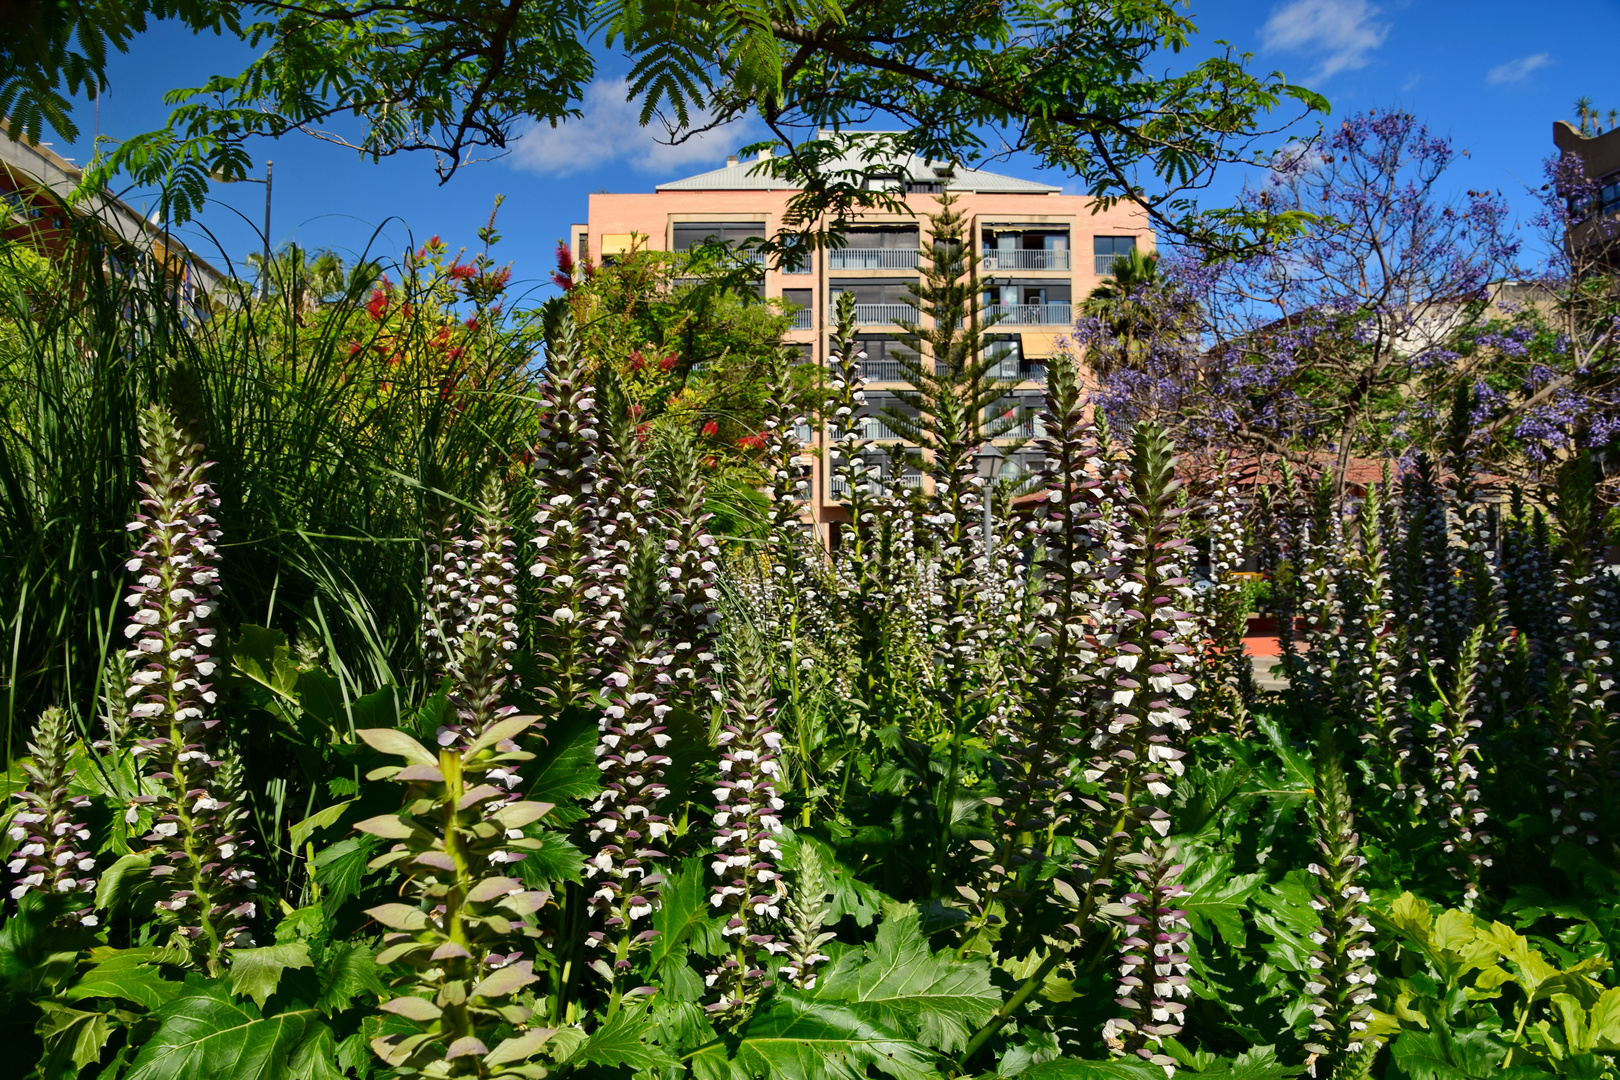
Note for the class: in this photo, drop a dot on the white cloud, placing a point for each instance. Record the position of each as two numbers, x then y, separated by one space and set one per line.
610 133
1341 32
1517 70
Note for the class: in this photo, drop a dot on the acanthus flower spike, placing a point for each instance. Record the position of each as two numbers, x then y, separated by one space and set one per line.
484 637
50 855
747 821
623 873
565 481
195 845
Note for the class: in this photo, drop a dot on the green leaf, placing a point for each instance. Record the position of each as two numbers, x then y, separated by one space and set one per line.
322 819
684 910
398 744
315 1058
74 1035
565 772
208 1036
897 983
347 969
795 1039
341 870
1070 1069
113 888
1439 1055
256 973
1604 1021
1217 898
130 975
621 1043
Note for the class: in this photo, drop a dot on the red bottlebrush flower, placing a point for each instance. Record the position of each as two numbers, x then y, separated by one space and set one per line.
752 442
497 279
710 462
635 412
377 306
395 359
668 362
565 258
711 429
641 432
456 353
406 310
462 271
434 241
637 361
471 324
355 347
590 269
442 338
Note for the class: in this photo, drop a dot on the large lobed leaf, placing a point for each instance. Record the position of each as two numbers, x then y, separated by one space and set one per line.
898 983
797 1039
207 1035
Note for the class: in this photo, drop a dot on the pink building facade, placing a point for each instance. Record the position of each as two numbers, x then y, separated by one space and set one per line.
1041 253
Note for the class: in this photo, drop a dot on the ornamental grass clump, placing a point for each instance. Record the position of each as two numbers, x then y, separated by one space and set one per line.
461 952
197 849
50 855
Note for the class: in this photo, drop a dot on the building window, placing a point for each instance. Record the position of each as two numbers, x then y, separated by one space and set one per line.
1108 248
691 234
800 303
924 187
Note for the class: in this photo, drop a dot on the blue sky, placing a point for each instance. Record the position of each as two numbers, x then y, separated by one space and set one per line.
1491 75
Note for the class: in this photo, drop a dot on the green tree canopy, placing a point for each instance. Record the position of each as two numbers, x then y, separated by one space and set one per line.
1079 86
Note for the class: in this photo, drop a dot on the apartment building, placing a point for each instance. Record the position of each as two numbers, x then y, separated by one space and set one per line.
1598 223
1041 253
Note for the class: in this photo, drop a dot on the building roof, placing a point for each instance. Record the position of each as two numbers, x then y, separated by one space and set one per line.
34 166
753 175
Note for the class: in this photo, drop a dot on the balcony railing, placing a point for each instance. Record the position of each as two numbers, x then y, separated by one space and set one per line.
803 319
1030 314
882 370
1021 259
838 487
871 259
866 427
867 314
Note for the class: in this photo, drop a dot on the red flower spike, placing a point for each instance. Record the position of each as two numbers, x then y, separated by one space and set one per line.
668 362
711 429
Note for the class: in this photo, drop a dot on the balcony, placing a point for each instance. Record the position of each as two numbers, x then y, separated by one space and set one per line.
866 427
1030 314
871 259
882 370
1017 259
867 314
838 487
802 319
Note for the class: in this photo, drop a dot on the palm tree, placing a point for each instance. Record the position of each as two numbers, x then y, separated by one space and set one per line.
1119 301
307 279
1584 112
